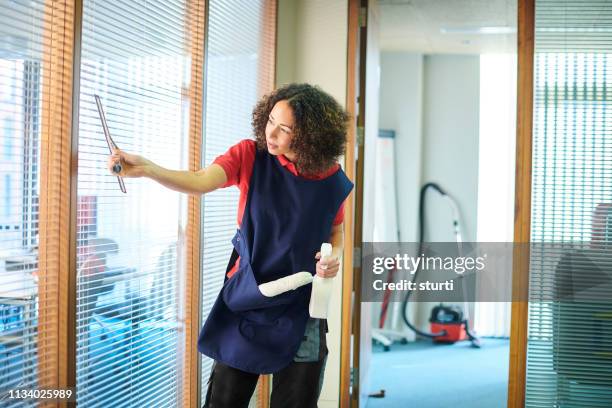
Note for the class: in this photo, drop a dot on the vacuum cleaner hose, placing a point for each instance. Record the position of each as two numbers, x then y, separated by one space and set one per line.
414 278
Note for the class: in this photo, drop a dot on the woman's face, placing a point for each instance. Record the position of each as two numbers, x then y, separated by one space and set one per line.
279 130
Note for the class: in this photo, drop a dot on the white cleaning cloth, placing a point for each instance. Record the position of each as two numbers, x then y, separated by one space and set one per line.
285 284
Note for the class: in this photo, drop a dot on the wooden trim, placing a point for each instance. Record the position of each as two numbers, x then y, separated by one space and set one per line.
266 83
359 190
267 48
522 214
57 216
196 29
349 215
71 316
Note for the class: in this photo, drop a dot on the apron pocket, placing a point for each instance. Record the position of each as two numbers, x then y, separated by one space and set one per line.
241 292
271 335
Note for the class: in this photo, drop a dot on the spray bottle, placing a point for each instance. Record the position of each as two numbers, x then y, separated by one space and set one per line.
321 289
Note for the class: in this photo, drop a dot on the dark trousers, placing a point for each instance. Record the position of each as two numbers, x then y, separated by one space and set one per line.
295 386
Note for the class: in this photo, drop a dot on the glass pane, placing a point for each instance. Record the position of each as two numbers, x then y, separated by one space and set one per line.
134 55
21 30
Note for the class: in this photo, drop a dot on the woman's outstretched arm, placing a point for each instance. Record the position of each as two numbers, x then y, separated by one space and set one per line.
190 182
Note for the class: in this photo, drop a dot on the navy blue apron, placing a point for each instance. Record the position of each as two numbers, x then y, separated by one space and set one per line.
286 219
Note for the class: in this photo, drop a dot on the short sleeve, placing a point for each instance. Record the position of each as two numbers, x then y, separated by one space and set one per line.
234 161
339 219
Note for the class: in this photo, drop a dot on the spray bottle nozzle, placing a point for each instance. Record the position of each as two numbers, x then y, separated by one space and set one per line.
326 250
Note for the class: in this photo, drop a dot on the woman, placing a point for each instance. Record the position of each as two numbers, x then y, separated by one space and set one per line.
292 192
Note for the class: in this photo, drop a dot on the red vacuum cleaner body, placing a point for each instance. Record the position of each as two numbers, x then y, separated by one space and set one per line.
448 320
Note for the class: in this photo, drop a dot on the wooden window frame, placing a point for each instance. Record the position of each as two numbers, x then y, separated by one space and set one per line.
57 220
191 373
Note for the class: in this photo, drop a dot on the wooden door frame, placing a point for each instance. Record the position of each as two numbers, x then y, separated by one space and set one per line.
351 268
346 329
522 203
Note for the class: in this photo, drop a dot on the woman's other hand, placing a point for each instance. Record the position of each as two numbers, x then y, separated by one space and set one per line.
132 165
328 267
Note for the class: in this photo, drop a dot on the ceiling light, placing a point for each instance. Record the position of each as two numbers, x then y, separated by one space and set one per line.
478 30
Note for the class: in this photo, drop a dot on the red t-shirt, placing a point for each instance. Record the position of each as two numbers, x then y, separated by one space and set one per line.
238 165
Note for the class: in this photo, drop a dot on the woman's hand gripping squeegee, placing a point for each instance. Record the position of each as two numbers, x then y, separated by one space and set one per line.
116 168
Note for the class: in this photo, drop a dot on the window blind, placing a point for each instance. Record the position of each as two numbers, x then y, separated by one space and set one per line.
237 73
569 350
21 65
134 55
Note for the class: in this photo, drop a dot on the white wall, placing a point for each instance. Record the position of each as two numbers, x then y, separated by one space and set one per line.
303 26
312 48
286 42
450 141
497 145
432 102
401 95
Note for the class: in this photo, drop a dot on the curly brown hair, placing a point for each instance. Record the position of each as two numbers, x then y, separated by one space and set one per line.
319 133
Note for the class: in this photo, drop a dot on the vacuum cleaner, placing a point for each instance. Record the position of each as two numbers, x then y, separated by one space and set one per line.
447 323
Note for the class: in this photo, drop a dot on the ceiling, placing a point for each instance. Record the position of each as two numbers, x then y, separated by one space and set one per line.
448 26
